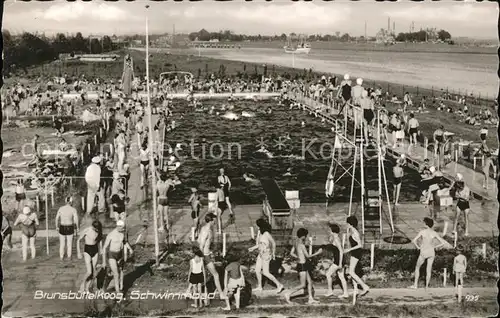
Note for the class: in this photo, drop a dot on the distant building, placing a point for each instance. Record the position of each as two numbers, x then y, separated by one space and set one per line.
214 43
385 37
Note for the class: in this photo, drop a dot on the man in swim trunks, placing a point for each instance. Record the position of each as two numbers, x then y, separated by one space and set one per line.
67 228
119 250
304 267
463 196
427 250
204 242
337 267
162 187
93 239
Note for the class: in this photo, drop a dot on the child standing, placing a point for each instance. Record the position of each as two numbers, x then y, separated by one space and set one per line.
234 281
303 266
459 268
197 277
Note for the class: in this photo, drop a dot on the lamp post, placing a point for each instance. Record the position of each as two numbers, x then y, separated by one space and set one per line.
151 143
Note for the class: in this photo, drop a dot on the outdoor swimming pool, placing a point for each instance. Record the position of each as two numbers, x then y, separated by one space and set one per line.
211 141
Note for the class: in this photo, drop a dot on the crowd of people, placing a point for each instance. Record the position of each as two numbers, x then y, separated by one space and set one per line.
108 180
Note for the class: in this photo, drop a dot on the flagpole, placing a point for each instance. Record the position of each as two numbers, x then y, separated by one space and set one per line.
151 143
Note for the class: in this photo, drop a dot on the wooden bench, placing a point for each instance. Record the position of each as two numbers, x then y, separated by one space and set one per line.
276 208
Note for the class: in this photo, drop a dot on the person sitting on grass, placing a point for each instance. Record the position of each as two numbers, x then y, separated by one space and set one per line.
197 277
459 268
234 281
304 266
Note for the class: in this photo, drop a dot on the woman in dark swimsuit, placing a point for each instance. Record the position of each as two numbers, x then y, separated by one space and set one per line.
93 241
438 139
225 186
28 221
355 251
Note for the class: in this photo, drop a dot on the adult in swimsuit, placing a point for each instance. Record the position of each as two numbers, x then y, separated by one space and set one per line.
337 267
368 114
487 164
162 187
204 241
355 250
304 266
144 157
118 253
225 186
413 129
69 224
438 139
28 222
20 194
93 240
267 249
427 252
463 196
398 179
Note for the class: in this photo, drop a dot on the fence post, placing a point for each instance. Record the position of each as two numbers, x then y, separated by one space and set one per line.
432 91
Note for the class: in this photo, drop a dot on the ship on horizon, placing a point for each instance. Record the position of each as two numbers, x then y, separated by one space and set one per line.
302 46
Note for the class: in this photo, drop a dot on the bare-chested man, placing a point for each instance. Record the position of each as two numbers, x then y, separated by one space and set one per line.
162 188
304 266
68 226
118 253
93 240
204 241
337 267
427 250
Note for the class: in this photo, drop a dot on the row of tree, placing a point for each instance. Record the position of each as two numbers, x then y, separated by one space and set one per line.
422 36
226 35
30 49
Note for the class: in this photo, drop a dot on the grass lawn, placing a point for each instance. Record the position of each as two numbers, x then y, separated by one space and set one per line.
480 272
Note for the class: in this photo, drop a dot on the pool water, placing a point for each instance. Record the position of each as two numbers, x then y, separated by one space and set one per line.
202 132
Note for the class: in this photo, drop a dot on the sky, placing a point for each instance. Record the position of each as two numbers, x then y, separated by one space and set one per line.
461 19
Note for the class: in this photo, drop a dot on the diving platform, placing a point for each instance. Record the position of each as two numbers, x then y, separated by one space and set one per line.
416 155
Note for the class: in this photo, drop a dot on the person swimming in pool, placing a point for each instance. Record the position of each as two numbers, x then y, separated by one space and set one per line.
427 237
